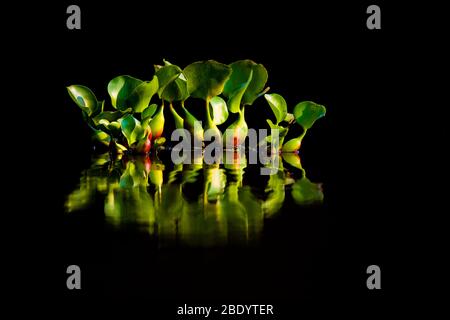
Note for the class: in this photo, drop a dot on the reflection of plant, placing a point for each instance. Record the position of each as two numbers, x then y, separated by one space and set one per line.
136 190
132 122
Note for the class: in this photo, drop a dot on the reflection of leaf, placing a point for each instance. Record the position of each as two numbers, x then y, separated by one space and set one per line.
293 159
305 192
276 193
215 181
307 112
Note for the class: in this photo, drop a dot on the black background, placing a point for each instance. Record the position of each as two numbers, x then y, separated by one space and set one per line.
316 51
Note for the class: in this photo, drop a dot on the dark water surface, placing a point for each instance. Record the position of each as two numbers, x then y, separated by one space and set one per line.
143 226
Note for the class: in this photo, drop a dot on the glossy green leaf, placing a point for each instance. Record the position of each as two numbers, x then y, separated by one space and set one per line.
132 129
173 85
307 112
128 124
235 99
102 137
206 79
305 192
166 75
176 91
85 99
219 110
292 145
256 87
140 97
107 115
242 70
278 106
128 92
148 113
120 89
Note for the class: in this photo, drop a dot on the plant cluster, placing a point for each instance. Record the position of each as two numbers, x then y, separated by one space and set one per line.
134 119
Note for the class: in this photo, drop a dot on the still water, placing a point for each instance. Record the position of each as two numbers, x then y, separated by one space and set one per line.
195 205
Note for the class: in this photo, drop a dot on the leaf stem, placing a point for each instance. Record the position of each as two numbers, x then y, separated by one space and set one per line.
208 114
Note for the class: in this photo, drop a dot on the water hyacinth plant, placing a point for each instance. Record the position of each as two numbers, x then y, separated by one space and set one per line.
132 120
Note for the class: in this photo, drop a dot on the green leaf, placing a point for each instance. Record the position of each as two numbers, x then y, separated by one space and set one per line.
206 79
107 115
132 129
120 89
147 114
128 92
120 147
292 145
235 99
305 192
102 137
166 75
307 112
219 110
256 87
278 106
173 85
85 99
242 70
140 97
128 124
114 128
160 141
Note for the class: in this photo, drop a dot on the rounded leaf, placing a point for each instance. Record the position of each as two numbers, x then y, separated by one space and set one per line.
85 99
307 112
140 97
240 75
278 106
206 79
173 85
128 92
132 129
